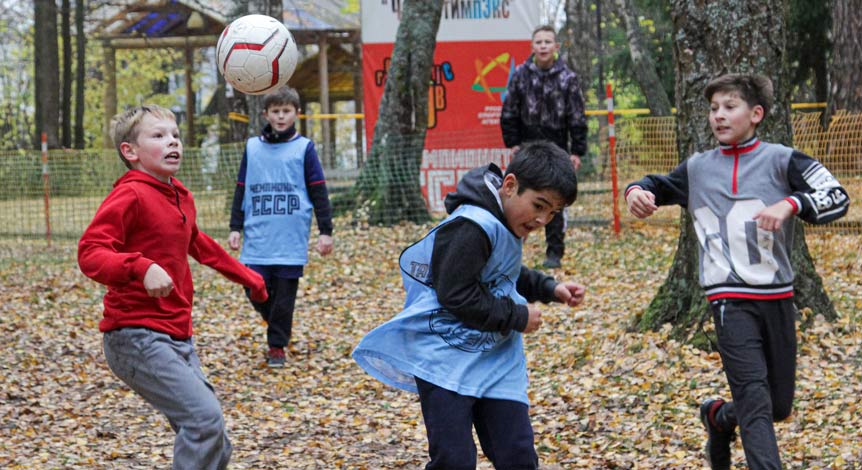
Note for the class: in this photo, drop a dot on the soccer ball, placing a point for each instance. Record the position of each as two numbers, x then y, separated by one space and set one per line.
256 54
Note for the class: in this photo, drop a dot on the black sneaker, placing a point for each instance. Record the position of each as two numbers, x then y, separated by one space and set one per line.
718 440
552 262
275 357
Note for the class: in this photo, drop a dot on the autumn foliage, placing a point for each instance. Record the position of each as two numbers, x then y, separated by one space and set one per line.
603 397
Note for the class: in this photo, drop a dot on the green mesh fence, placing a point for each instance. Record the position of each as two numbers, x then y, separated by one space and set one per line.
78 181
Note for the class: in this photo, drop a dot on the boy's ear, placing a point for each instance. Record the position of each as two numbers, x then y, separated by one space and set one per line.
510 185
757 114
128 151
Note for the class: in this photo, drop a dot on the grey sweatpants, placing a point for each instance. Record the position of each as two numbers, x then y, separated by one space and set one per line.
167 374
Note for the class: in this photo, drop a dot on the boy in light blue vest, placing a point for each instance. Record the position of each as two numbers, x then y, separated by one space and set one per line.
744 197
280 182
457 343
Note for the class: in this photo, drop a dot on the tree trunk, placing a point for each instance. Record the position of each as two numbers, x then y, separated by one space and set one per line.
808 48
46 78
644 68
66 96
80 62
845 89
729 36
389 182
577 40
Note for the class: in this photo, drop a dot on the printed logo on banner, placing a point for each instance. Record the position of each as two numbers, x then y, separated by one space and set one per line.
483 70
440 73
463 9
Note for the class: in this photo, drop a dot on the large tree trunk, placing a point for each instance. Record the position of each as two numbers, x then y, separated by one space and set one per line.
728 36
845 76
66 96
46 78
577 40
808 48
389 182
644 68
80 62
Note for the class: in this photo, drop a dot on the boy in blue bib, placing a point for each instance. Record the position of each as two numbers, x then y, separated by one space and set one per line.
279 184
457 343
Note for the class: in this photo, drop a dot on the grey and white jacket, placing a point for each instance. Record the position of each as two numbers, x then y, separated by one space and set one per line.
723 188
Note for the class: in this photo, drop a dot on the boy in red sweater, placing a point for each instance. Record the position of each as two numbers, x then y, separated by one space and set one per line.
138 246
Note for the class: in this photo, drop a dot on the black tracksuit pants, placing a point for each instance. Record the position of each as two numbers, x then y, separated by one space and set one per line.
757 343
277 311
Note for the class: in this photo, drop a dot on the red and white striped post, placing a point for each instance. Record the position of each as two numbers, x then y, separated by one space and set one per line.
46 187
612 143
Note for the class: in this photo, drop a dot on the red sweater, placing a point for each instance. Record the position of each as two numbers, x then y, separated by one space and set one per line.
141 222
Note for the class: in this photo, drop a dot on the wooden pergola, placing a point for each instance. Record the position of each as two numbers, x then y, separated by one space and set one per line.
192 24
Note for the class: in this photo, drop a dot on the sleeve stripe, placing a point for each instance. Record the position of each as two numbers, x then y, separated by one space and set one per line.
811 169
820 178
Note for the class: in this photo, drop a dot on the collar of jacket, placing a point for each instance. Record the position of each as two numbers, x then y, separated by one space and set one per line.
274 137
740 148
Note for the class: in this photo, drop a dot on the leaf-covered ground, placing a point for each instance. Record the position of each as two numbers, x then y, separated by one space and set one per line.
603 397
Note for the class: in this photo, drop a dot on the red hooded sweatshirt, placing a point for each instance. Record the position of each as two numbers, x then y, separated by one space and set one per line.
141 222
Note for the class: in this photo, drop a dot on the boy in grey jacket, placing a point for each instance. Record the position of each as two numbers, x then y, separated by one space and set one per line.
742 196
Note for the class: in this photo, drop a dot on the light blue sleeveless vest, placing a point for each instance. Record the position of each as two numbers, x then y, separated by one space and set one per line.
428 342
276 203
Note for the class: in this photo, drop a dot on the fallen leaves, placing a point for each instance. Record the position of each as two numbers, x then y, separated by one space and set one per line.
603 397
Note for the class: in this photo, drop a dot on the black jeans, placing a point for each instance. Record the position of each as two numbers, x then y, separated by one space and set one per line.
277 311
757 343
503 427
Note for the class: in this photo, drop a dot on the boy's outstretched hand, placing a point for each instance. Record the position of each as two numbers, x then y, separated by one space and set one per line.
641 203
570 293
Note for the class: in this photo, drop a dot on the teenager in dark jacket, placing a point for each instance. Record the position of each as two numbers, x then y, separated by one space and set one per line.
544 102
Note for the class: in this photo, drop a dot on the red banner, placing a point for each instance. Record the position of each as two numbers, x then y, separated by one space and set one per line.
467 87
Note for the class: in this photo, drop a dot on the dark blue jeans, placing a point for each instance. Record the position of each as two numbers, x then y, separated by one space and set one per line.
757 343
503 427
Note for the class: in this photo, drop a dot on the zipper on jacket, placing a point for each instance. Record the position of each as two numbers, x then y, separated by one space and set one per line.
735 169
179 207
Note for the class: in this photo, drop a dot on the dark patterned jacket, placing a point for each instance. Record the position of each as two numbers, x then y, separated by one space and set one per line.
545 104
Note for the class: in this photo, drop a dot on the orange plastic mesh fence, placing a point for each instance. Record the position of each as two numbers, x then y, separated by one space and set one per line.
648 145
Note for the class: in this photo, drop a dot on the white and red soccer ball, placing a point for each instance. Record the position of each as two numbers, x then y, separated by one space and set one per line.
256 54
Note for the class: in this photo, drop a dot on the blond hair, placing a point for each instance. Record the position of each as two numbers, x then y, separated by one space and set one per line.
125 126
